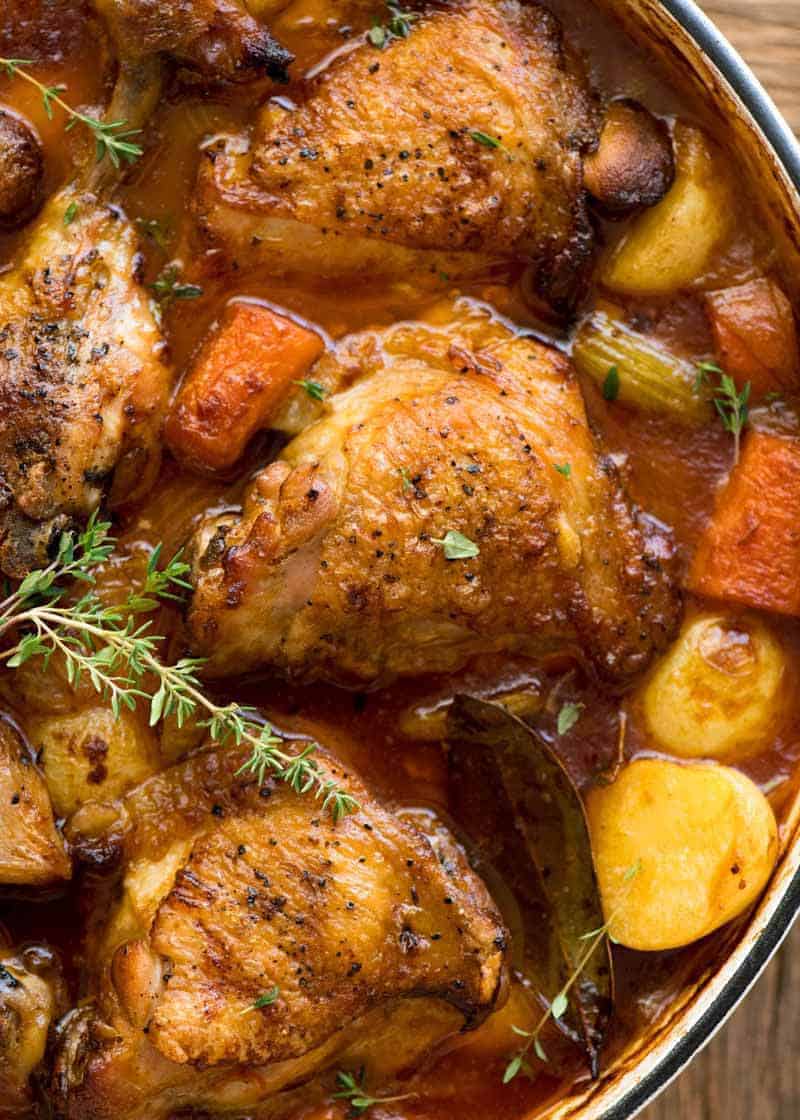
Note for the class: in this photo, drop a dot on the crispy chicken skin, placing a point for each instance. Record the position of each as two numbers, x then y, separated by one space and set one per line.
379 948
31 848
335 567
219 37
32 995
387 165
83 387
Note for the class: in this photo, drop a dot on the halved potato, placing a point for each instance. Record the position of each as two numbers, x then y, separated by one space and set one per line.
92 755
670 246
717 693
680 849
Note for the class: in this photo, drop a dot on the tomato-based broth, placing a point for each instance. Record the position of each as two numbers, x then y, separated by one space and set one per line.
686 362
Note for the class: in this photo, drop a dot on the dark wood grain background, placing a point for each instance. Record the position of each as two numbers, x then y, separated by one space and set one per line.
751 1070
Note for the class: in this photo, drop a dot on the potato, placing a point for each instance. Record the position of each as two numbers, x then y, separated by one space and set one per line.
670 246
717 693
680 849
92 754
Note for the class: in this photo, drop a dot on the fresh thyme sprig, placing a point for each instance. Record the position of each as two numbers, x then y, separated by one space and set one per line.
109 644
558 1008
352 1090
732 404
111 137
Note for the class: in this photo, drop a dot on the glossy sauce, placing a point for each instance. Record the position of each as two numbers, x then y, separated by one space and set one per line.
672 471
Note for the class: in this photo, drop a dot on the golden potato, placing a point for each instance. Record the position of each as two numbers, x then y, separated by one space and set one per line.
92 754
32 995
717 693
703 841
669 246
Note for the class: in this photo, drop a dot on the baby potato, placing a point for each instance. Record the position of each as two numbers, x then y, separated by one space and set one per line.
717 692
680 849
92 755
669 246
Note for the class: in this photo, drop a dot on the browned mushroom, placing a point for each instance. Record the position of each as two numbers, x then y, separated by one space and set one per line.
633 165
21 169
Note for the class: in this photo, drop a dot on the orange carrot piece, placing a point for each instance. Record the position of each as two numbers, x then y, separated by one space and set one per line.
750 551
243 372
754 335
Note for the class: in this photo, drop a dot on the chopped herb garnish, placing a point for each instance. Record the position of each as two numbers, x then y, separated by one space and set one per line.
732 404
119 654
397 26
489 141
564 468
266 1000
351 1089
167 287
406 477
70 213
568 716
456 546
560 1004
377 36
314 389
485 139
611 384
111 137
158 231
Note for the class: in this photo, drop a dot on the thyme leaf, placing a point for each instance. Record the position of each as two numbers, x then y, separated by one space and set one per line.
397 26
168 287
568 716
351 1089
314 389
611 384
456 546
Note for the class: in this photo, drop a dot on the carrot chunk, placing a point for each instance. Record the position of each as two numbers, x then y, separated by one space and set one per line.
754 335
243 372
750 551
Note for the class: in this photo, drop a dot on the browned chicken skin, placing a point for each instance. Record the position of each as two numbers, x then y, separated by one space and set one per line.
378 947
31 848
398 160
336 569
219 37
83 386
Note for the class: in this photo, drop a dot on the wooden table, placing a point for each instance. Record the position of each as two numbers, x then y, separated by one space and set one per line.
751 1070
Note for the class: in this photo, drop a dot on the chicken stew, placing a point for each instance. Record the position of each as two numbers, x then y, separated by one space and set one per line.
456 321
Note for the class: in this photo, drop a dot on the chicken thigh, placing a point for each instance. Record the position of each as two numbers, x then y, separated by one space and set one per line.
348 560
254 943
83 385
452 149
219 37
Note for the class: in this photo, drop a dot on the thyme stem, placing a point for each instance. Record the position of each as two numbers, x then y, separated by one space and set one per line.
111 137
118 653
